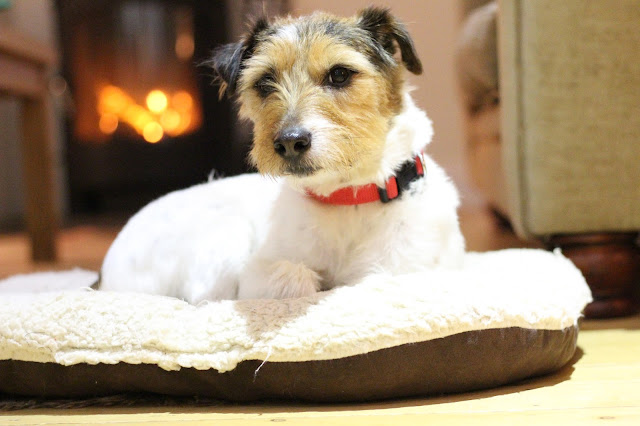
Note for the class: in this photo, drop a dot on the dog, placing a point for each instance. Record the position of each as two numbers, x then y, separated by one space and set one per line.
352 192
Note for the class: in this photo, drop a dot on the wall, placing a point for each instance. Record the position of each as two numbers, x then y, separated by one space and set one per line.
434 25
35 19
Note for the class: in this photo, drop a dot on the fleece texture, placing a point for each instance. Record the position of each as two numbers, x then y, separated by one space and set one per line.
55 317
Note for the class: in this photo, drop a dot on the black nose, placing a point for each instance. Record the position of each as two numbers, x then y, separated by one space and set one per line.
292 143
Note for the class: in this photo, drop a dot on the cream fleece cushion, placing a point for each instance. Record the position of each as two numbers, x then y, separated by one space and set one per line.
41 322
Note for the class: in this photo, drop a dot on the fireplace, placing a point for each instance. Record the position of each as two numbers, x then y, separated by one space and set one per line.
144 117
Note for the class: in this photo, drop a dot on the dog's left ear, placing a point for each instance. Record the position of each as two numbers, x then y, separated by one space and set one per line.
384 29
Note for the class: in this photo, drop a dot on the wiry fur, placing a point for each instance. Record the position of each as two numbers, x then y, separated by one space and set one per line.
360 133
349 126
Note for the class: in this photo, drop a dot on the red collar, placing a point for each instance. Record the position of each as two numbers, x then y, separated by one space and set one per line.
394 186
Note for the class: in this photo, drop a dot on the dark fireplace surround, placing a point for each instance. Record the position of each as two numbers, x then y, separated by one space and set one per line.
144 117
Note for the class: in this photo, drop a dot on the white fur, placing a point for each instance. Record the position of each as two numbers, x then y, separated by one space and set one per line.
249 237
341 245
192 243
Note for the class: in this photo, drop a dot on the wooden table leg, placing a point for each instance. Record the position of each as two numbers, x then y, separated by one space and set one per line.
42 221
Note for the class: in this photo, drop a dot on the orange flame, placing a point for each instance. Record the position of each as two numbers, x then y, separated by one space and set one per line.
172 115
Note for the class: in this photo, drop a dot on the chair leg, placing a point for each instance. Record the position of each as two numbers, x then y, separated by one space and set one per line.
610 262
41 215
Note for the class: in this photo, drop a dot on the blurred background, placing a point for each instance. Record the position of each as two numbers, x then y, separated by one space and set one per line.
134 117
535 104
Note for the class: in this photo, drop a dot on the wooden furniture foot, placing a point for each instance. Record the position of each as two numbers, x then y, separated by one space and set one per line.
24 66
610 262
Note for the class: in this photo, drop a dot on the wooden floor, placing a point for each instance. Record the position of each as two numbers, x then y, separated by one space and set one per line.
600 386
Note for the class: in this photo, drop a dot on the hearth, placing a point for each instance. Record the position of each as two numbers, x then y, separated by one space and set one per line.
144 117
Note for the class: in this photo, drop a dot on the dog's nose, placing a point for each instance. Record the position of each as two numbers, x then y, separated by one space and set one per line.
292 143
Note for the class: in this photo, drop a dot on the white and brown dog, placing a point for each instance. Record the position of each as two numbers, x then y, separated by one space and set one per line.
354 195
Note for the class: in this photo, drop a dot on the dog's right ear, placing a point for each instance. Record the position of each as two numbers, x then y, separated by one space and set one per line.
228 60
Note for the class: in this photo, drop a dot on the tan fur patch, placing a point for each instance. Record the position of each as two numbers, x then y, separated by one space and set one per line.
348 125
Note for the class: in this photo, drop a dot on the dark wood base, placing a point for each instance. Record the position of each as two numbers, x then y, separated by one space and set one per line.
611 265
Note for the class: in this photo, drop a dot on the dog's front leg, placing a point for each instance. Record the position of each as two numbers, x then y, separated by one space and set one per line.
277 279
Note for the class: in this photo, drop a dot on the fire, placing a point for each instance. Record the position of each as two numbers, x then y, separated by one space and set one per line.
113 100
171 114
152 132
157 101
184 46
170 121
108 123
182 101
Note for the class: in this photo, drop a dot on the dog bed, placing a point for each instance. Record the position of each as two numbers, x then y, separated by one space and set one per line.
506 316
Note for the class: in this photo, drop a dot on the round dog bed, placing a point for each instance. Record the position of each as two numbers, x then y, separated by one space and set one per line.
505 316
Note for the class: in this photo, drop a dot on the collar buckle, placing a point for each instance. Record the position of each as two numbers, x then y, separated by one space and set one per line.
391 190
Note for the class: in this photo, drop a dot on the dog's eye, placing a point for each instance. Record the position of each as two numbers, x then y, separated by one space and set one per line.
265 85
339 76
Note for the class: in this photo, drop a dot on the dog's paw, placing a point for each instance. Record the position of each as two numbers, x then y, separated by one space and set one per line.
289 280
282 279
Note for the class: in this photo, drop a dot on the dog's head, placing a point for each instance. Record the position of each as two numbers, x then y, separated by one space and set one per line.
320 90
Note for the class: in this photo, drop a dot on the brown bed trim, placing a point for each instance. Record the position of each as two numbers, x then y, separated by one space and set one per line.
461 362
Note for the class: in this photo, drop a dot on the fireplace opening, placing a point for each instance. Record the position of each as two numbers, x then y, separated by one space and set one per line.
134 74
144 117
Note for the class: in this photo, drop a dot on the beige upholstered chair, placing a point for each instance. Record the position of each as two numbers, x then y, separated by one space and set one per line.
558 152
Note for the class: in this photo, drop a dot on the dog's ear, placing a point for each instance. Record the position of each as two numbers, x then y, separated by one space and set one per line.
227 60
226 66
384 28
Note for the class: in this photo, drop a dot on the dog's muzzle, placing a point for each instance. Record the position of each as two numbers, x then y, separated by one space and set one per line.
292 143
